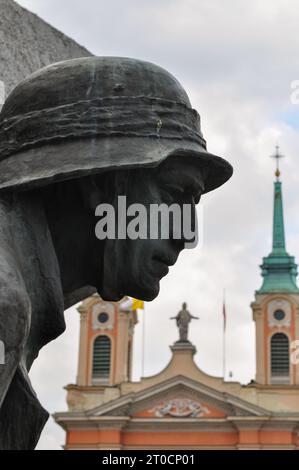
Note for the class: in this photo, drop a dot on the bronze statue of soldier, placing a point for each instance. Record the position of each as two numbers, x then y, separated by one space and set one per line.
72 136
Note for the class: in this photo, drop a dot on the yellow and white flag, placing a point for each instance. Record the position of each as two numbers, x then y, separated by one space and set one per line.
130 304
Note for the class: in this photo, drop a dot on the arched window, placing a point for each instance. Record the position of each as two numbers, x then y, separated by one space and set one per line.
101 358
280 358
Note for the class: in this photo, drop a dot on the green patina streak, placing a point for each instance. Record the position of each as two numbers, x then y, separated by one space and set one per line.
278 246
279 269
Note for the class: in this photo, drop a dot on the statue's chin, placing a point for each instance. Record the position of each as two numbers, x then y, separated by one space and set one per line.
144 292
146 288
110 295
146 295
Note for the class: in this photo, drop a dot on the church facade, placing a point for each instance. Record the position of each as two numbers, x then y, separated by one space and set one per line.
182 407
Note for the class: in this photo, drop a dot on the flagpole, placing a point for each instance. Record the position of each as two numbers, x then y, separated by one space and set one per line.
143 344
224 337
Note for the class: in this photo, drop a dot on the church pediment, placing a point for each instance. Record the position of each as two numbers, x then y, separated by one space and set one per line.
179 397
180 406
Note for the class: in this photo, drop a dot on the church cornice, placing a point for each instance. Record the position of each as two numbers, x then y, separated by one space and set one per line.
177 386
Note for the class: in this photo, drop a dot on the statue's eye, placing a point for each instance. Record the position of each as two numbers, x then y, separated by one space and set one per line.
174 190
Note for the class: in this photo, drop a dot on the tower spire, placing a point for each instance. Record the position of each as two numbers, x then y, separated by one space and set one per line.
278 242
279 269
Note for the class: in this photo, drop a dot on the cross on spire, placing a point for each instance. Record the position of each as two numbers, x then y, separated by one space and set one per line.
277 157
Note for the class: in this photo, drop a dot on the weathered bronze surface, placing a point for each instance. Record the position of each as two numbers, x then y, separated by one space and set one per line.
74 135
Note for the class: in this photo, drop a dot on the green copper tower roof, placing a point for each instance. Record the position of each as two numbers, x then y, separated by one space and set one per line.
279 269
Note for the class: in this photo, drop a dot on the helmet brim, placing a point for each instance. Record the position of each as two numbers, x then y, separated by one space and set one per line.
59 161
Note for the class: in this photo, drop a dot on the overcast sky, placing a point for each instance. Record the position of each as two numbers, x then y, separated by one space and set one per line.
236 60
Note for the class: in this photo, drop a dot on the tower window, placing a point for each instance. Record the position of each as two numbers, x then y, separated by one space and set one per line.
280 360
279 315
101 358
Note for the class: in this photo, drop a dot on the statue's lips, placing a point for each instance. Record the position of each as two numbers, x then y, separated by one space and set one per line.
161 264
159 268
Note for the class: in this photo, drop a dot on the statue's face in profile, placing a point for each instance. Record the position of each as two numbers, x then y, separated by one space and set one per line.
134 263
139 264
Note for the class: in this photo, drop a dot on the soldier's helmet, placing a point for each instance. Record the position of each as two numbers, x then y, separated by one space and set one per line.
89 115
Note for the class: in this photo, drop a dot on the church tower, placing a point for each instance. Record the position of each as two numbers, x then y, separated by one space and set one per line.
105 352
276 305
